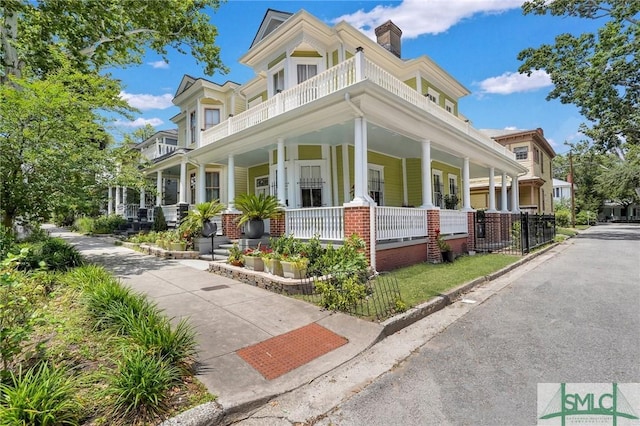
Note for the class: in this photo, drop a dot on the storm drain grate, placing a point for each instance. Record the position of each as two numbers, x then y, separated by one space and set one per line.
214 287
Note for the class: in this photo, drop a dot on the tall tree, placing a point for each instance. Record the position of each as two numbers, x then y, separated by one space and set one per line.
598 72
94 34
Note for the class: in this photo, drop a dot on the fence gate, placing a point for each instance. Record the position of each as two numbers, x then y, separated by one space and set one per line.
515 234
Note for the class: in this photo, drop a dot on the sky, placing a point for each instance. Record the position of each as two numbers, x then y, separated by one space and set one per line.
475 41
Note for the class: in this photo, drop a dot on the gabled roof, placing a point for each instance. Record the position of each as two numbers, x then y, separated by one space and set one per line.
186 82
272 20
510 136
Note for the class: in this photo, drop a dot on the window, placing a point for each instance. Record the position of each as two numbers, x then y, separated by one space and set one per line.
192 126
171 141
453 185
522 152
310 186
212 186
305 72
211 117
448 106
376 184
262 185
433 95
192 187
438 189
278 81
541 162
536 155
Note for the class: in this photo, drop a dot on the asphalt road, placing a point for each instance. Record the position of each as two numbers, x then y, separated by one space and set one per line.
574 318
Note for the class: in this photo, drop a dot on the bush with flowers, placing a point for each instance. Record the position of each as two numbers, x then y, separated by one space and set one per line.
442 244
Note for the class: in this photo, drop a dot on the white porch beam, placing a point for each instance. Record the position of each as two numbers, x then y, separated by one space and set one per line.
504 204
201 193
427 192
159 188
466 185
281 179
492 190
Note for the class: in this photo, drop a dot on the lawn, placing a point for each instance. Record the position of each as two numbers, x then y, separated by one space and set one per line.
422 282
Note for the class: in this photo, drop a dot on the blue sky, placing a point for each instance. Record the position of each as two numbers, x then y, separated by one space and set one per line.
476 41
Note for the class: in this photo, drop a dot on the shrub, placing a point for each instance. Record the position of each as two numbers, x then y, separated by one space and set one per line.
87 276
341 293
43 395
141 385
56 253
7 241
159 221
108 224
84 225
563 218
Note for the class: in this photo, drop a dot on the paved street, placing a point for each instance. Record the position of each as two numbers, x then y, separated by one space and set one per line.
574 318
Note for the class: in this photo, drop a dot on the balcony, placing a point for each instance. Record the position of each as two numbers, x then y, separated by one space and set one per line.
158 150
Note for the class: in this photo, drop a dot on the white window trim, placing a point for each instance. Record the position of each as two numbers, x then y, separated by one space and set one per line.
451 176
294 191
449 104
255 184
271 90
295 61
379 168
432 92
439 174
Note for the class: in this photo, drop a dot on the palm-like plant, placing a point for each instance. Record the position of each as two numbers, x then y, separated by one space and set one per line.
199 215
257 207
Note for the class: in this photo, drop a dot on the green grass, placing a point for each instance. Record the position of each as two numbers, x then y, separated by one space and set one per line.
569 232
422 282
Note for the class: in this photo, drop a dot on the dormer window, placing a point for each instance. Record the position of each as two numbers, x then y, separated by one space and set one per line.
306 71
433 95
211 117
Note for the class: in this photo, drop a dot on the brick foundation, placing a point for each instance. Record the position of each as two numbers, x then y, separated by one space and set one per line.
357 221
399 257
433 224
230 225
471 231
277 226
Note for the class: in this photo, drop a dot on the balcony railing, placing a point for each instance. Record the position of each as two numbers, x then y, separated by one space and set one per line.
326 222
453 222
330 81
158 150
394 223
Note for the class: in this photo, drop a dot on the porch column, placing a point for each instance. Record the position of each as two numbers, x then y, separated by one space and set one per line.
159 188
515 208
118 202
201 193
280 177
359 169
231 183
427 195
183 183
504 203
143 196
466 186
359 64
110 201
199 125
492 190
124 197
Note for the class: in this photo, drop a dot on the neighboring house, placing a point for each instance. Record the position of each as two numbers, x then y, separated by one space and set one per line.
615 212
535 188
349 136
562 192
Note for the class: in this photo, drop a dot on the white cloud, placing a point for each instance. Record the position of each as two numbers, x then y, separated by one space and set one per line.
144 102
512 82
159 64
417 17
140 122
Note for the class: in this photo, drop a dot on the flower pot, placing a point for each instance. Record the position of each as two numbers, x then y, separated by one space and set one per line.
447 256
274 267
291 270
254 229
254 263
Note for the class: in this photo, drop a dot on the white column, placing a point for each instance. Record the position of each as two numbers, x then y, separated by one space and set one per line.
281 179
143 195
110 201
503 193
365 162
427 192
466 185
359 169
159 188
515 208
346 182
183 183
405 189
492 190
201 178
231 183
124 196
359 64
199 122
118 202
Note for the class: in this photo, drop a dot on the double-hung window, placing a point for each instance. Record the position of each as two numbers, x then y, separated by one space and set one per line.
306 71
311 186
278 81
211 117
376 184
521 152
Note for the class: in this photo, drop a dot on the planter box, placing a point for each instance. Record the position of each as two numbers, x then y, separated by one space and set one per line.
290 270
177 246
254 263
274 267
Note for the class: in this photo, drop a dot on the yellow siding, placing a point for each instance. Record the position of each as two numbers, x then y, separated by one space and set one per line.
393 193
348 55
241 179
306 54
339 162
277 60
412 83
414 181
253 173
479 200
309 152
334 56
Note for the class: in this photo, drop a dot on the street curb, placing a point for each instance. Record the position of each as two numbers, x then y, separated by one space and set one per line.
210 414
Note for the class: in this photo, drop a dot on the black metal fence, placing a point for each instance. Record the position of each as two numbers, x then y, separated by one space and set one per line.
512 233
371 298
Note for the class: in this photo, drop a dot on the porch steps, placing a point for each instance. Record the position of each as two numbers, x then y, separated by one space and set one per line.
244 243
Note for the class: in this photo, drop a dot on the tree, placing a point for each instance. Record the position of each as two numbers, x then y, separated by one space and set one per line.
622 179
94 34
53 148
597 72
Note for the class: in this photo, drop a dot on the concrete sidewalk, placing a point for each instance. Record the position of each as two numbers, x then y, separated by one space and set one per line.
228 315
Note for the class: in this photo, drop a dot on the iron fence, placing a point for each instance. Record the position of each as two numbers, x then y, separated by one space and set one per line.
514 234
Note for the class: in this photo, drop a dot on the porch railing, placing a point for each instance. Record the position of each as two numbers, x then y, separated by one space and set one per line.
158 150
330 81
170 213
453 222
394 223
326 222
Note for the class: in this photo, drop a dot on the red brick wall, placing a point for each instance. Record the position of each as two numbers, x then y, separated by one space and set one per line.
471 229
399 257
230 225
357 221
458 245
277 226
433 223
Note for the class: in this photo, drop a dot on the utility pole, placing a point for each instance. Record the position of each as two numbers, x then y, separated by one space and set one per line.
573 198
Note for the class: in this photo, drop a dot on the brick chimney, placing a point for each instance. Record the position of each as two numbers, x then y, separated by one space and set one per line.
389 36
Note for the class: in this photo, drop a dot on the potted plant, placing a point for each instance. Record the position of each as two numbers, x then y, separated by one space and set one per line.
294 266
451 201
194 221
175 241
272 263
235 255
445 248
253 259
255 209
